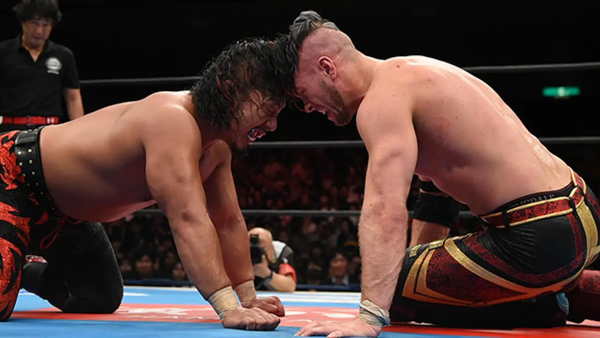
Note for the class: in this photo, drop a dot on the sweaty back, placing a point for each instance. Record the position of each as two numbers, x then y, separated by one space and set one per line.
470 141
101 156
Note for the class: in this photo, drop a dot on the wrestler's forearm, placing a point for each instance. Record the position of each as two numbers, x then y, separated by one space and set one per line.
236 254
382 246
200 253
425 232
282 283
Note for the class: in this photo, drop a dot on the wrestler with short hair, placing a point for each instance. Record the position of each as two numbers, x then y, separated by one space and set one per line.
418 115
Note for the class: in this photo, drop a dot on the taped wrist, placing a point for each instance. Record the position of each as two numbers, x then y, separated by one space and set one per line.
434 206
373 314
246 292
223 301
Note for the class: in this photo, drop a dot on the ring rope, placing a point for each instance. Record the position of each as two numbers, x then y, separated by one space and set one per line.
183 80
360 144
291 213
299 287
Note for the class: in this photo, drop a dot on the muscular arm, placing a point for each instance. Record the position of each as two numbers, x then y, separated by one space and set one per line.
230 225
172 146
387 130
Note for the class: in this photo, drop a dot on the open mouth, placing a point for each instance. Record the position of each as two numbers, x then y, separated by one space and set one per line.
255 134
326 112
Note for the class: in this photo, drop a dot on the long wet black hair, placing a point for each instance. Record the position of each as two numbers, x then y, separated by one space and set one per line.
227 81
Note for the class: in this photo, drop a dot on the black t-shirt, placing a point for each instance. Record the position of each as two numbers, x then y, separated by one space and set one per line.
29 88
285 255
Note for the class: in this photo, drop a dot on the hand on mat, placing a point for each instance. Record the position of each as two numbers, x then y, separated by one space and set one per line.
270 304
250 319
355 328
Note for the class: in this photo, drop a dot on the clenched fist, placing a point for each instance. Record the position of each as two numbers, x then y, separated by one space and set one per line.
270 304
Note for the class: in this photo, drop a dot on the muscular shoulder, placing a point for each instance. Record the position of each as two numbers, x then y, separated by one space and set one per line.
167 107
165 115
410 72
406 81
390 96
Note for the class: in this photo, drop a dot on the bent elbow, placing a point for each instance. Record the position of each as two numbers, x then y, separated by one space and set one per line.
291 285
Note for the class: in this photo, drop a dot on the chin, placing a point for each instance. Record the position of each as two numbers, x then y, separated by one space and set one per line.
342 119
337 122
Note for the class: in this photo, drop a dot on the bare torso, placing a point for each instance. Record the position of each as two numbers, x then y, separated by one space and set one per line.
95 166
471 144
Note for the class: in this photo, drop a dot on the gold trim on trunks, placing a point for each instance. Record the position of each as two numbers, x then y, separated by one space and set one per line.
416 288
528 205
554 214
591 232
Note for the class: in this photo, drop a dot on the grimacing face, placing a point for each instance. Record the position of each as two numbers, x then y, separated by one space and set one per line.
318 92
257 118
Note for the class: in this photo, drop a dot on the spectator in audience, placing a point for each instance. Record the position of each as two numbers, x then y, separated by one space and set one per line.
318 254
354 269
126 269
36 73
314 274
144 266
277 270
168 262
178 274
338 270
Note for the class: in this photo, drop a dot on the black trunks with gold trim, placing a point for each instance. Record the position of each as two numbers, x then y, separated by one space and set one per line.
531 247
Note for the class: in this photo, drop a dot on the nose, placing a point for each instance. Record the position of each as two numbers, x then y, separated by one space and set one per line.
39 29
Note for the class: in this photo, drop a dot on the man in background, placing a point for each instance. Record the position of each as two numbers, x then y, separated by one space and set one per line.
275 271
36 73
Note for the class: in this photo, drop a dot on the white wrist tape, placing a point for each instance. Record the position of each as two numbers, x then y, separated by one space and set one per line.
246 292
373 314
223 301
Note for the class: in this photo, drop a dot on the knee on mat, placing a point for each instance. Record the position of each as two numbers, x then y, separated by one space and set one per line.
112 303
109 307
98 302
6 310
4 318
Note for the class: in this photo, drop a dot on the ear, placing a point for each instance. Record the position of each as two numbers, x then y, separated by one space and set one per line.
328 67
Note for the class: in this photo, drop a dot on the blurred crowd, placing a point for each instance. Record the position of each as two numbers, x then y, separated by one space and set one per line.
326 249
